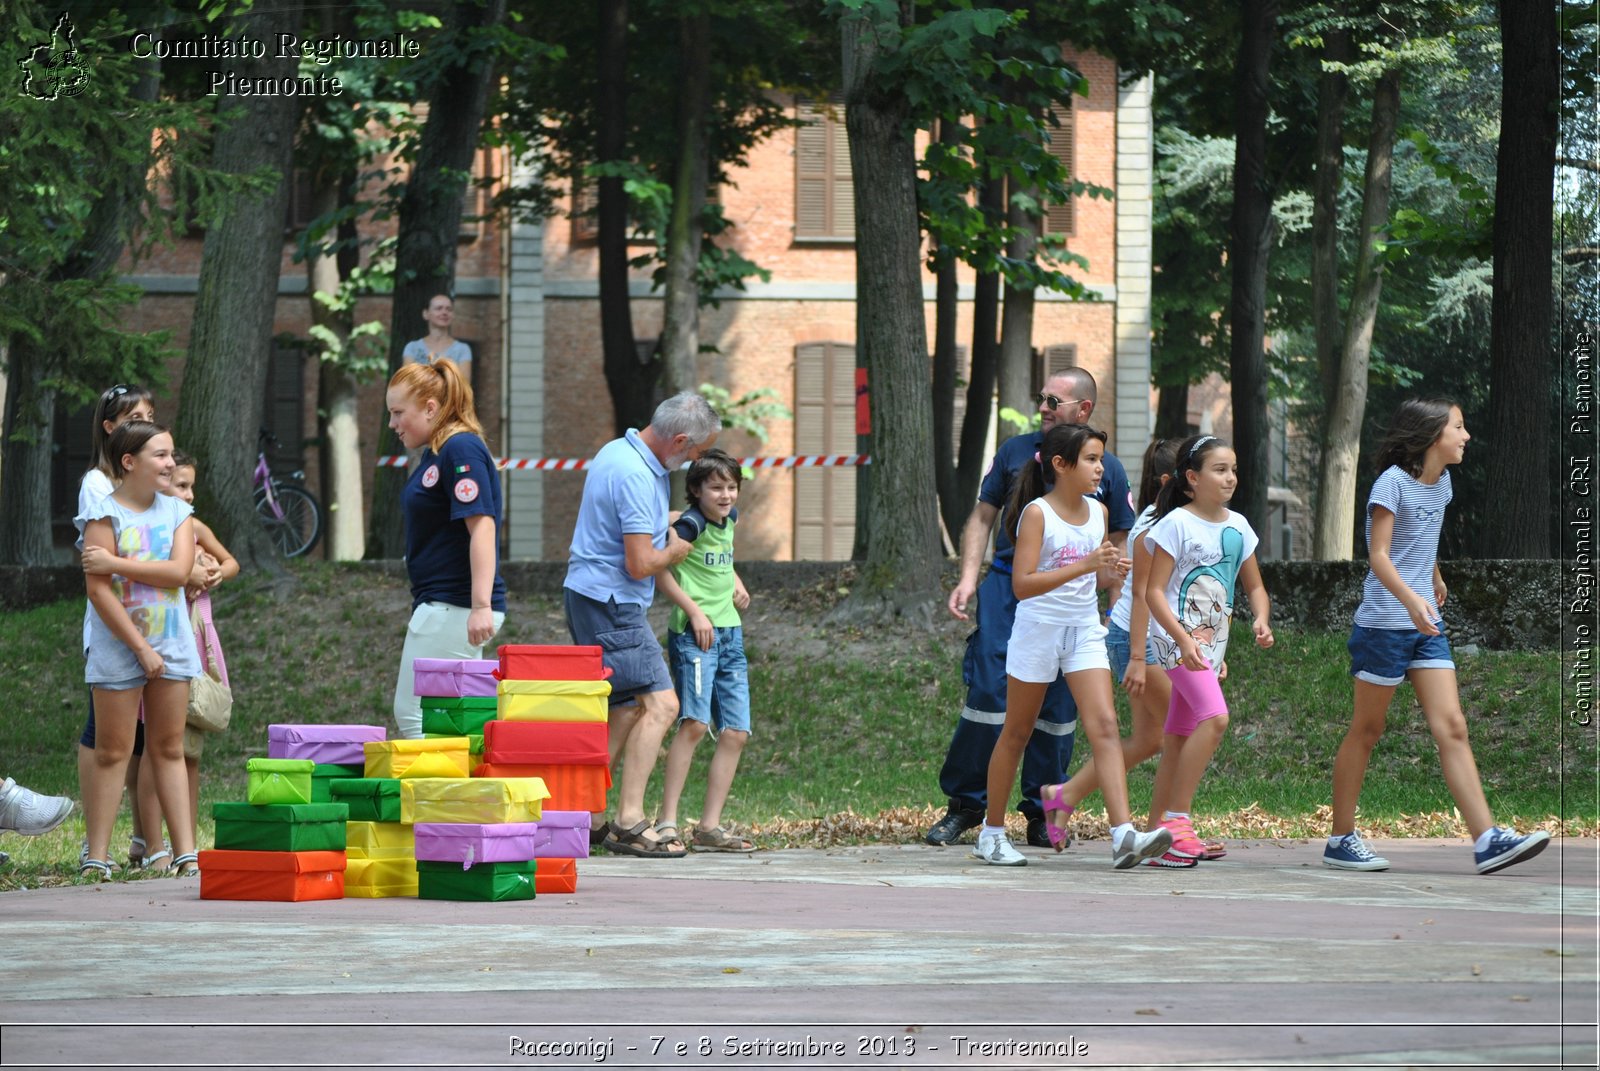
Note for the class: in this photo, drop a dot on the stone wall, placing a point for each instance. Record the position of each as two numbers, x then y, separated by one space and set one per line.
1494 604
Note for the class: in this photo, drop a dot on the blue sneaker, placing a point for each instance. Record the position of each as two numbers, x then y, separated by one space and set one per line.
1507 846
1352 853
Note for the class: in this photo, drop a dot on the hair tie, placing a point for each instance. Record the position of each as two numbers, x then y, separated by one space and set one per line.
1036 458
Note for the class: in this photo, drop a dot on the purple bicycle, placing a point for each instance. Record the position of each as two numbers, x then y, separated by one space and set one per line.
291 515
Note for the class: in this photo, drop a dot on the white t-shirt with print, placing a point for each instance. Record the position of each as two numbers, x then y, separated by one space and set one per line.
1063 544
1206 558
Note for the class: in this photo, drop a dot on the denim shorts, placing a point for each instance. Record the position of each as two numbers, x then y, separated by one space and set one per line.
628 646
714 685
87 739
1384 655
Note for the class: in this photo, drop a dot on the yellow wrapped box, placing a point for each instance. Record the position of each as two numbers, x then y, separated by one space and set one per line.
441 756
478 799
553 700
372 878
379 840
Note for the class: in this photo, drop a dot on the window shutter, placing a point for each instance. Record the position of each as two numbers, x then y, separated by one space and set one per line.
472 199
297 215
1052 360
1058 218
958 410
824 200
824 498
285 398
585 209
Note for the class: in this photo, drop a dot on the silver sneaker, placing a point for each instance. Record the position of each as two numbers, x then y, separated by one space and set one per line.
996 850
1136 847
24 811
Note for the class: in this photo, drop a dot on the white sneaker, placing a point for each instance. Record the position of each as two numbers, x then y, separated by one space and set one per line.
1136 847
24 811
996 850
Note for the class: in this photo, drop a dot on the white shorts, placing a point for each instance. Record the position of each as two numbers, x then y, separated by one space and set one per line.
1039 652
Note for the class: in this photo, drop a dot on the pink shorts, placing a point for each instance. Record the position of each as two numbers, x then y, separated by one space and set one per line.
1196 696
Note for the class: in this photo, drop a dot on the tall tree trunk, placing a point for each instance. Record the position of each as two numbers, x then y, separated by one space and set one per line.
1016 319
30 423
219 411
1172 412
339 431
946 295
1249 246
630 378
946 305
1520 369
900 576
1332 92
430 223
1334 539
680 332
985 352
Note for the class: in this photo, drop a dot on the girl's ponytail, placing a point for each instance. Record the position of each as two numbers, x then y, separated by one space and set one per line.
1159 458
1030 485
441 380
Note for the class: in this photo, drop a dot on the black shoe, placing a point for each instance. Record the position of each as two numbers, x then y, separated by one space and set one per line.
1038 833
948 829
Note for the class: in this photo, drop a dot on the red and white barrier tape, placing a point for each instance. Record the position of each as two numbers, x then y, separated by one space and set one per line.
799 461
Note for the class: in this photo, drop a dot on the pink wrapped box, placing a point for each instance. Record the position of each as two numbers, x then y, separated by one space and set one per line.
562 835
336 744
470 843
454 677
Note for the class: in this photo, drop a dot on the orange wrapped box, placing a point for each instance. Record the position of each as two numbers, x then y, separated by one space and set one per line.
555 876
287 876
571 787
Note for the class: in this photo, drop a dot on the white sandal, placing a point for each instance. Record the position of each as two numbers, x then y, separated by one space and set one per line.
94 871
186 865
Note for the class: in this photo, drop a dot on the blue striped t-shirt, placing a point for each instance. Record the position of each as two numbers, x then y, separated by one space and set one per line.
1418 510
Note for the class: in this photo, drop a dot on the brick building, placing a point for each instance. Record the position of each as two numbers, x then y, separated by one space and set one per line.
527 299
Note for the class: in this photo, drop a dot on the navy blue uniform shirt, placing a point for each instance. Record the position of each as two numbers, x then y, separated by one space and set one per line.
458 482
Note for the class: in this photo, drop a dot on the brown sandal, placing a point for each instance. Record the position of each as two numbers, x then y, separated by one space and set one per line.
718 839
634 842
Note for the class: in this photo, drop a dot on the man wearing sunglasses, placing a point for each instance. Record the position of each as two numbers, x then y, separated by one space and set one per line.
1068 397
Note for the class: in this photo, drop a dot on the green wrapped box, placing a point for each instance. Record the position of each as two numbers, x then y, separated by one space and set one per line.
279 781
370 799
486 881
281 827
460 716
323 774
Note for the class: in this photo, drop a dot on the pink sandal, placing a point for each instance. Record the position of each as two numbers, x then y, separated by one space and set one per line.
1060 836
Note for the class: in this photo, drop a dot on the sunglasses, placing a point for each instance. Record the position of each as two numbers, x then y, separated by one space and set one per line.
1052 401
116 392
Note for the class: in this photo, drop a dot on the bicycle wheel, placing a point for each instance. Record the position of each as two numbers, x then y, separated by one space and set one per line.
301 524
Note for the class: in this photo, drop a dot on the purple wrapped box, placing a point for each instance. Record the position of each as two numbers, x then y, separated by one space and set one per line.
336 744
470 843
454 677
562 835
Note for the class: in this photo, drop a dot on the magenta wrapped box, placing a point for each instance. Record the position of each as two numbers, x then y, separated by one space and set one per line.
454 677
337 744
562 835
471 843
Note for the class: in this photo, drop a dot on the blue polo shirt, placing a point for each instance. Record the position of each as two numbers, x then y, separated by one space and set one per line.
1002 477
626 493
460 481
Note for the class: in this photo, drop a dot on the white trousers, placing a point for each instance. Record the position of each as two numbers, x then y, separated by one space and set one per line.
437 630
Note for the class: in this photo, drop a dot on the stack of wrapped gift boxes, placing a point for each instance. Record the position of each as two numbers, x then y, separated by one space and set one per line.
474 836
284 844
551 724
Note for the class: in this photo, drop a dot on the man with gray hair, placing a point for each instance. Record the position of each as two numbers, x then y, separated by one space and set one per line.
620 543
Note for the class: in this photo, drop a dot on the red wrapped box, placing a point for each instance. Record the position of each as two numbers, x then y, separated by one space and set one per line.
555 876
532 662
286 876
516 742
572 788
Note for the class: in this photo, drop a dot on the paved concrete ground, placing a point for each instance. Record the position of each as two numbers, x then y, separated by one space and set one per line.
895 954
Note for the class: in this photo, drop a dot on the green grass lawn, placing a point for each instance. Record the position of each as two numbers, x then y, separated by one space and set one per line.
860 730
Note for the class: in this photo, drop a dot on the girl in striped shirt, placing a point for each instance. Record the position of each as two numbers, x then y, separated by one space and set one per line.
1399 633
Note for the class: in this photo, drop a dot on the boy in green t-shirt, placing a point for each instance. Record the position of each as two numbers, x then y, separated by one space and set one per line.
705 646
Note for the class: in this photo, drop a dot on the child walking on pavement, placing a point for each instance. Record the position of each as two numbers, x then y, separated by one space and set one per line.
1201 550
1399 633
705 644
1061 553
